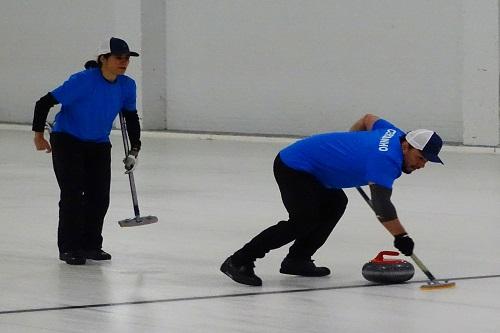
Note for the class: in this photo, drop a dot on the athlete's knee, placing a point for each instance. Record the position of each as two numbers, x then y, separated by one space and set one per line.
342 201
336 207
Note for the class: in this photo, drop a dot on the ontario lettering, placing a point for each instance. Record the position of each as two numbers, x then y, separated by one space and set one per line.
383 144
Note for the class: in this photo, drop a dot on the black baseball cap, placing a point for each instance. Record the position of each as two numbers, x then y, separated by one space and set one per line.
115 46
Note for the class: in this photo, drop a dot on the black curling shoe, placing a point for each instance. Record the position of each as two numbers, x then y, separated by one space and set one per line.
97 255
302 267
243 274
72 257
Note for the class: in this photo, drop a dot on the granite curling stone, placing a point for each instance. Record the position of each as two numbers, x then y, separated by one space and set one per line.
386 271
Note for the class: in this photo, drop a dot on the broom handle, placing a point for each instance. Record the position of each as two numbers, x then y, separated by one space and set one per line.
421 265
365 196
130 174
417 261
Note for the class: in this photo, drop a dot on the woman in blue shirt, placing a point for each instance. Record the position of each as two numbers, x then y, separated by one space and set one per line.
81 150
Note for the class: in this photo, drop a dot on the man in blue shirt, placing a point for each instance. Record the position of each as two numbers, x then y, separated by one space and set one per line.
311 174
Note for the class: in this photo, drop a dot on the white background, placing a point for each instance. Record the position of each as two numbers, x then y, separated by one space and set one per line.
270 67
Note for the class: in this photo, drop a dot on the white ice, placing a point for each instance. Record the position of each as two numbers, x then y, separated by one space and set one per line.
211 196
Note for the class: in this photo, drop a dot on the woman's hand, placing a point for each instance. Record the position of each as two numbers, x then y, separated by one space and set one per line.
41 143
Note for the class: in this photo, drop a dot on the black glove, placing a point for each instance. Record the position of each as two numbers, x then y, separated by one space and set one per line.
404 244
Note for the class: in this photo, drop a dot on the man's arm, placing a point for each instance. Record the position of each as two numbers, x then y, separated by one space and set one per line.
386 213
394 227
385 210
365 123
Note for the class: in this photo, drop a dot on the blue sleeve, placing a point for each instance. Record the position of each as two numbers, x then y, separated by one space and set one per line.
129 100
71 90
382 123
383 173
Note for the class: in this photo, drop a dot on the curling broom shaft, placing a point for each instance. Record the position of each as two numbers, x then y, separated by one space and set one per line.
134 194
130 174
421 265
124 134
363 194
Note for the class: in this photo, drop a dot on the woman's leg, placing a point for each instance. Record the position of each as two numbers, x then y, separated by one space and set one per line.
97 188
67 157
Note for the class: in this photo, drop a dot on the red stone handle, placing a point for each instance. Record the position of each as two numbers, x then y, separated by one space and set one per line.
380 257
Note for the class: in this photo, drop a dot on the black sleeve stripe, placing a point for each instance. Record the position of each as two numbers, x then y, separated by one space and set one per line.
133 128
42 108
381 201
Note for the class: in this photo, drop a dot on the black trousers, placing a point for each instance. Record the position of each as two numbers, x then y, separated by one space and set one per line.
83 172
313 213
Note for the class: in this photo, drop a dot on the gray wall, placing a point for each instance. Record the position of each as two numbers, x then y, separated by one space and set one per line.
43 42
272 66
305 66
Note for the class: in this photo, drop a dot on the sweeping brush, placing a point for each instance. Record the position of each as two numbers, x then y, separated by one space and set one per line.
433 283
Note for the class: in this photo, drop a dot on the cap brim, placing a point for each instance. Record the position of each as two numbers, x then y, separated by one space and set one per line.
131 53
432 158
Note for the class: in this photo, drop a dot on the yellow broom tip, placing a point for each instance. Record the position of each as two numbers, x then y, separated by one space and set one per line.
437 285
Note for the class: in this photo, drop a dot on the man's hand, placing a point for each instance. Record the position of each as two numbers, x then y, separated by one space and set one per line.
404 244
130 162
41 143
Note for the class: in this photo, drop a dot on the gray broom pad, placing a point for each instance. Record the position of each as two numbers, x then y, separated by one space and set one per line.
138 221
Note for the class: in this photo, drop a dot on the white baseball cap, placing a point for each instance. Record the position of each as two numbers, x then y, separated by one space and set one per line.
428 142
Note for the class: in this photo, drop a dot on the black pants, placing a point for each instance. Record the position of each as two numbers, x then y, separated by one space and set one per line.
83 172
313 213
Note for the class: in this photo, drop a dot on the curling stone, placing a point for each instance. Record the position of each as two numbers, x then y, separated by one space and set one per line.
382 270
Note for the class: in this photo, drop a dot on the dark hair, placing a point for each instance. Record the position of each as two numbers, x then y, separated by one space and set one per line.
96 63
91 64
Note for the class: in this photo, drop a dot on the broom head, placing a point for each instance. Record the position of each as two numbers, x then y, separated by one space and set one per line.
138 221
434 285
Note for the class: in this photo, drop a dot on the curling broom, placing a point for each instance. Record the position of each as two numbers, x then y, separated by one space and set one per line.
138 220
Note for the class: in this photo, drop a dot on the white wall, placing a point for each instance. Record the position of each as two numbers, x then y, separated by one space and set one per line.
43 42
271 66
480 73
154 63
298 67
304 66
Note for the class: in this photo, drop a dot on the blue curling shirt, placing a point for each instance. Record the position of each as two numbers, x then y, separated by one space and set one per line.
90 104
350 159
